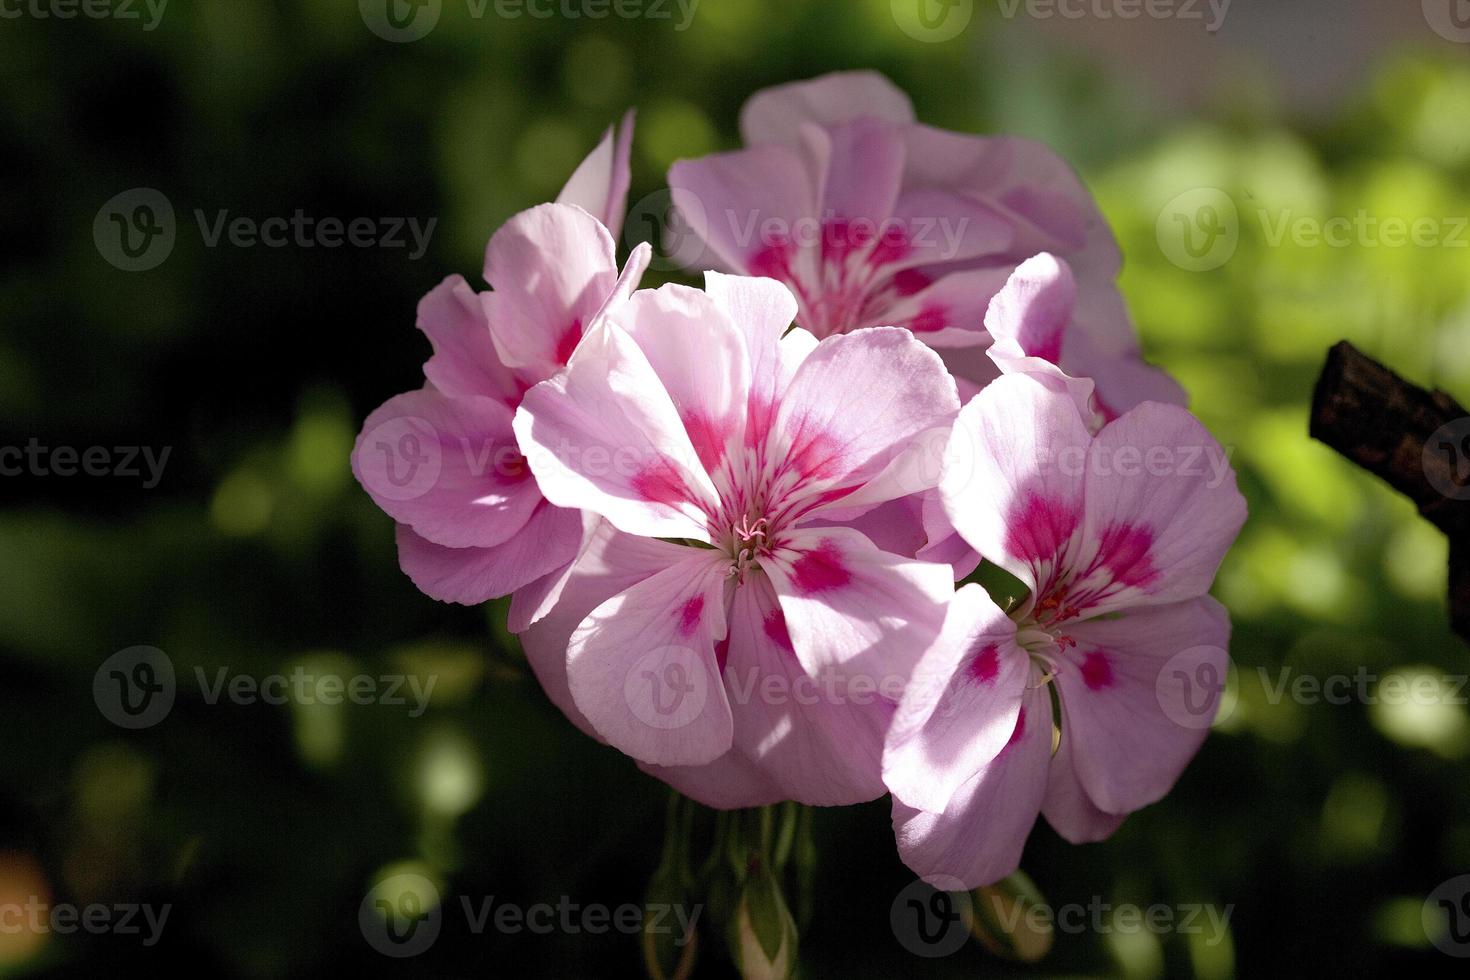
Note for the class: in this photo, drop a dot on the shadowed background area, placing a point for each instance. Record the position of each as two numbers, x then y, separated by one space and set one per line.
1320 822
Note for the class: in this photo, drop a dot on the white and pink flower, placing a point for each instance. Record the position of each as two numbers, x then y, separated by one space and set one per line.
724 456
1117 536
442 461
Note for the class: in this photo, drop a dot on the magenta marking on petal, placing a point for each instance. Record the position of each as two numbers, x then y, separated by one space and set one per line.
821 569
775 629
817 456
709 437
1049 349
1040 529
1019 731
892 247
772 260
660 483
1124 551
566 345
1097 671
930 319
690 614
986 664
907 282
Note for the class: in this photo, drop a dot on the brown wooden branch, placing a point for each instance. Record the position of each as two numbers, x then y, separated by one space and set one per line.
1382 422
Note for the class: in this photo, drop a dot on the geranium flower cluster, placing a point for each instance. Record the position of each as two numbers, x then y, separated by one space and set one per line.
731 519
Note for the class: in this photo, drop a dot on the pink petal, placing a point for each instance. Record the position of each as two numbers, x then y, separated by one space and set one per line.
600 183
942 542
941 226
536 599
853 608
465 361
1030 320
1162 508
961 704
865 159
746 205
762 309
775 115
1014 484
700 358
605 436
979 837
448 467
950 312
610 562
1132 701
731 782
854 412
1035 190
820 741
470 576
1067 807
642 666
1124 380
553 269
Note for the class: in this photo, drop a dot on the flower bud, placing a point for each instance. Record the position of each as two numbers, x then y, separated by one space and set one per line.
762 935
1012 919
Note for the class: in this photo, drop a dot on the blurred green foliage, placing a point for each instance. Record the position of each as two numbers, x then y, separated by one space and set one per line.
1323 826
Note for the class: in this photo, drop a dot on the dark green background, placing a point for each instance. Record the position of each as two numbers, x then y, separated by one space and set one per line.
1324 826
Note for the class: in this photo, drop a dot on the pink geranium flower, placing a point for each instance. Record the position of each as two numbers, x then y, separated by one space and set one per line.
1117 536
873 219
442 461
725 629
